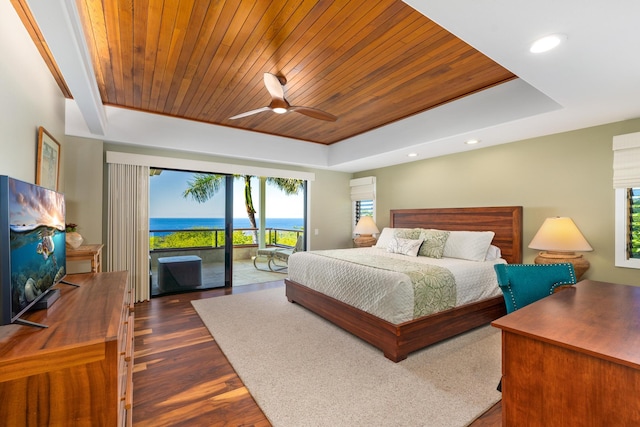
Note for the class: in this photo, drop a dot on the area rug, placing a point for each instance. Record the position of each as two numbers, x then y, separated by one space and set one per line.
304 371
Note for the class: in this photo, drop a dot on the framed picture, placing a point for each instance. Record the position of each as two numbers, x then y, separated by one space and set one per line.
48 162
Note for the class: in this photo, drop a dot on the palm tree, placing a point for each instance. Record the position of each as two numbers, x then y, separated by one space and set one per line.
204 186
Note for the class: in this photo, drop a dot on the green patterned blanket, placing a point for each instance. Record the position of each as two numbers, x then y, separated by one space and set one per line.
434 287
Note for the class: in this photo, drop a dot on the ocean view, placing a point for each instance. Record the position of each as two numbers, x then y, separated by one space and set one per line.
191 223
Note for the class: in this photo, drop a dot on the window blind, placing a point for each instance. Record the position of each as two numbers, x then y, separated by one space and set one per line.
363 188
626 160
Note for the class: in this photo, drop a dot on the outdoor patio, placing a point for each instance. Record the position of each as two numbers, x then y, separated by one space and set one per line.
244 273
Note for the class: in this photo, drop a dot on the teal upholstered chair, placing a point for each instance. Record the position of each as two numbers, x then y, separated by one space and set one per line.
523 284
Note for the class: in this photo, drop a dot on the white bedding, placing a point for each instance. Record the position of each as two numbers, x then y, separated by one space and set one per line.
384 293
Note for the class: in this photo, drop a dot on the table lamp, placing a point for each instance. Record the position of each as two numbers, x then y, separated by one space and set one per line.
559 239
364 229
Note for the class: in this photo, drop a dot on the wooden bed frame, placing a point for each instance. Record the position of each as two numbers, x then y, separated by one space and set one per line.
397 341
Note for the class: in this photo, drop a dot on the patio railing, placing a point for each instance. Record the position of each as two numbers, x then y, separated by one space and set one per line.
215 238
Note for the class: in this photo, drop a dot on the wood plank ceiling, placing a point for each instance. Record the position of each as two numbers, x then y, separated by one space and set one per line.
368 63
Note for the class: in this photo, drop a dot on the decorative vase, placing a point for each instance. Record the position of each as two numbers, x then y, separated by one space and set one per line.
73 239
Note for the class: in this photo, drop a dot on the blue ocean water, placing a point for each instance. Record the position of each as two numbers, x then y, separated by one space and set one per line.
38 260
190 223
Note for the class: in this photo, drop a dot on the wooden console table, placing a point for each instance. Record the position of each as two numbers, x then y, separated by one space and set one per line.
78 371
91 253
573 358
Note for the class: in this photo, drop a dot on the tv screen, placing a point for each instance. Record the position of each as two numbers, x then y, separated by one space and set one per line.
32 245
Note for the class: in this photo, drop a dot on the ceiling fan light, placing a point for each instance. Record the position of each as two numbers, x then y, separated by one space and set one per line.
279 110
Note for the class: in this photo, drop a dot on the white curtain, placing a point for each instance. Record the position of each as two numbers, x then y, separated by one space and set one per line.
128 225
626 160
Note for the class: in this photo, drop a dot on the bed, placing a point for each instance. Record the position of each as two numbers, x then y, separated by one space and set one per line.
397 340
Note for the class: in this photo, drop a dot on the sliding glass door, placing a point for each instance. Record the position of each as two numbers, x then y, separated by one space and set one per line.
206 228
190 231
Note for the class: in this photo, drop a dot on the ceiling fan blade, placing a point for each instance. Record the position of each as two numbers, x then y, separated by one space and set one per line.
273 85
250 113
314 113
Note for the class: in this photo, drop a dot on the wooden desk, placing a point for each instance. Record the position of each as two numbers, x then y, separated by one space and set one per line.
91 253
573 358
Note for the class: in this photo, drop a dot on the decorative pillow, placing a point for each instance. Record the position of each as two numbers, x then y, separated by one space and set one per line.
385 237
408 233
408 247
469 245
493 253
433 242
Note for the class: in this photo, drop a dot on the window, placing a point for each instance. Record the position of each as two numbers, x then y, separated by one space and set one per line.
363 196
633 201
626 181
628 227
362 208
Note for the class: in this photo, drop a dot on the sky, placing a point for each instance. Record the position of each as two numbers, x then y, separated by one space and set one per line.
33 205
166 201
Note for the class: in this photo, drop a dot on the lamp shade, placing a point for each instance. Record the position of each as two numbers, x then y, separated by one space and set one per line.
366 226
559 234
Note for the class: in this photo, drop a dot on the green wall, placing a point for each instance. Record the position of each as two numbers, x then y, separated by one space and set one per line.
29 98
567 174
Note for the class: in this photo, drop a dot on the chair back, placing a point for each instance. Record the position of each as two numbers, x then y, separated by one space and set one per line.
283 254
522 284
299 244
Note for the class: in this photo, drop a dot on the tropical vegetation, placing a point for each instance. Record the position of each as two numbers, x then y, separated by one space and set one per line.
205 185
215 238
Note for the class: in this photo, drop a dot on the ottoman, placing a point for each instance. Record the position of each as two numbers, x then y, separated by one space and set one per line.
179 273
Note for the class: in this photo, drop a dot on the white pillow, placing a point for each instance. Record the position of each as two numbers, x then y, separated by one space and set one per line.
469 245
385 237
401 246
493 253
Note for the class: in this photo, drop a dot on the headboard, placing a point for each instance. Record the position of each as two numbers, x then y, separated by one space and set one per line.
505 221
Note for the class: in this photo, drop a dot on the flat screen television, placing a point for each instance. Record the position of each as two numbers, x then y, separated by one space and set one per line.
32 246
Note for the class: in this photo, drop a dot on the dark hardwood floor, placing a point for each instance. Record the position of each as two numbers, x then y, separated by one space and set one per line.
182 378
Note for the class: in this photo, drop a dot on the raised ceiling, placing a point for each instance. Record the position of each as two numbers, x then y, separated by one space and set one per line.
368 63
588 81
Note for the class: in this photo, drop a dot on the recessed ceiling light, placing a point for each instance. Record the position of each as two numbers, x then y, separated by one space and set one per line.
472 141
412 154
547 43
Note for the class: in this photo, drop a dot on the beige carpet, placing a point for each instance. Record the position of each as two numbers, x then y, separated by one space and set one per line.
304 371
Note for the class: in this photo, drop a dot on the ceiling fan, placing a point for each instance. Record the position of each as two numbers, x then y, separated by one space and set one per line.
275 86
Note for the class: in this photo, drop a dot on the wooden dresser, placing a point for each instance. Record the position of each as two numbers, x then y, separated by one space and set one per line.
78 371
573 358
